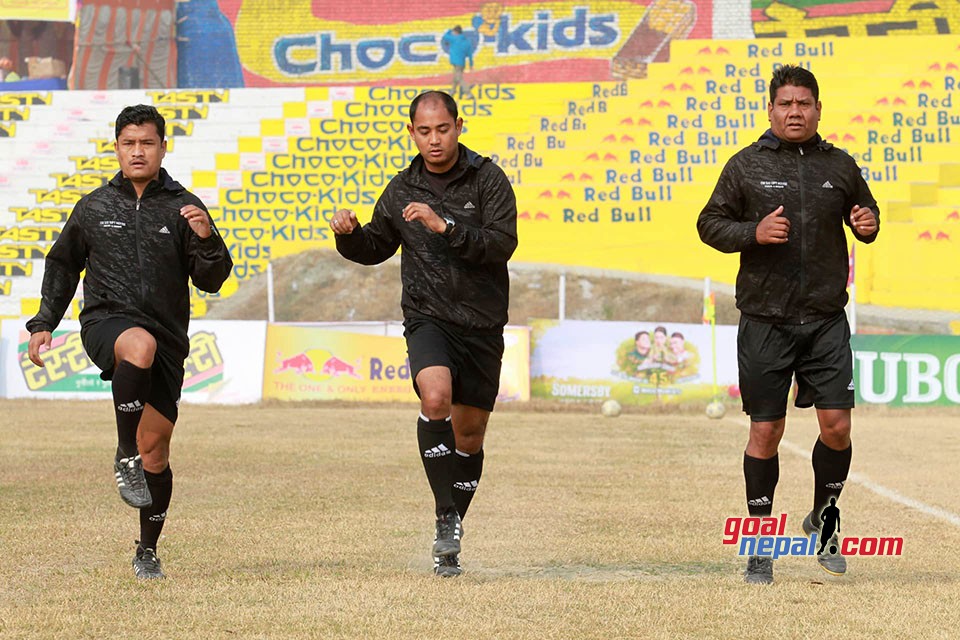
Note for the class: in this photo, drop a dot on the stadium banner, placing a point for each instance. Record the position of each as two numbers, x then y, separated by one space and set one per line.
310 42
45 10
907 370
223 365
315 363
632 362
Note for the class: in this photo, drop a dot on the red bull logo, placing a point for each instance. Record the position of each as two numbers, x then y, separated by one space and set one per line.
336 367
300 363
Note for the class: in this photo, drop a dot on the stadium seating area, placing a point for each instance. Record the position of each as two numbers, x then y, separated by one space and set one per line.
608 175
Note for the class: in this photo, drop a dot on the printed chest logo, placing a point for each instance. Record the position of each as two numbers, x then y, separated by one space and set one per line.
827 185
469 205
773 184
164 229
112 224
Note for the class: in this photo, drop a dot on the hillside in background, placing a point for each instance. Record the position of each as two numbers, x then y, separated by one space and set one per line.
321 286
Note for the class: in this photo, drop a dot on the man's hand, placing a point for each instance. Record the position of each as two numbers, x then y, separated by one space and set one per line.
343 222
197 219
863 220
774 228
39 341
426 216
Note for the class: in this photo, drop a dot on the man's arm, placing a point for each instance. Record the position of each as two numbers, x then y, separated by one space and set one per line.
371 243
209 260
61 274
496 239
721 223
862 214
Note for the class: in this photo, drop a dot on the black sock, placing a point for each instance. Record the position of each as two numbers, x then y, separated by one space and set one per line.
436 441
761 478
830 468
131 386
153 517
467 469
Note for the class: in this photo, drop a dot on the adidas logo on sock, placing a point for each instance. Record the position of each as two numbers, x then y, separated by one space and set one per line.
827 185
158 517
834 485
164 229
436 452
469 205
130 407
759 502
466 486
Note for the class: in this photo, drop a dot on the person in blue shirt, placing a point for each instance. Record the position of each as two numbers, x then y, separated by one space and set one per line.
460 49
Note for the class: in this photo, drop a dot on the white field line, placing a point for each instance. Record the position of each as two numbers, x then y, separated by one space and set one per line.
879 489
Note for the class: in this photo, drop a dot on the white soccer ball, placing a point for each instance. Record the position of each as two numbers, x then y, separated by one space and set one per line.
610 408
716 410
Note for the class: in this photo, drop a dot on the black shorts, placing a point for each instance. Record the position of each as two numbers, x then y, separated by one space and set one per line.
474 360
166 374
818 353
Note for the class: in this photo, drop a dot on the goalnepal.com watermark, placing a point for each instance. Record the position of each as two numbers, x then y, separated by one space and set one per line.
767 537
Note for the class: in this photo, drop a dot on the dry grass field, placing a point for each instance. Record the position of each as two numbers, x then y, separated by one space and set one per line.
315 522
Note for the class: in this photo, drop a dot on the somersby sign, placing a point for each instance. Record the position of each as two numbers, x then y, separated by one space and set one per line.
904 371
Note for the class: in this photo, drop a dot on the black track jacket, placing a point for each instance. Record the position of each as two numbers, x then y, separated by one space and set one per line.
462 279
138 255
805 278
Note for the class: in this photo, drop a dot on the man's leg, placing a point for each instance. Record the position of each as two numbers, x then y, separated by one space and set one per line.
154 441
761 472
469 427
831 463
437 445
134 352
831 457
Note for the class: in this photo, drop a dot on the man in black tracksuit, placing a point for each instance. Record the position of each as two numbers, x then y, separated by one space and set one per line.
455 215
140 237
782 204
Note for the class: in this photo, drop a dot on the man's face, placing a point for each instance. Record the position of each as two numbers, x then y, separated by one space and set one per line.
794 114
436 135
140 152
643 343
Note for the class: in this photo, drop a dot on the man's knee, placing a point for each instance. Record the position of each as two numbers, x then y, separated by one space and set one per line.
137 347
435 401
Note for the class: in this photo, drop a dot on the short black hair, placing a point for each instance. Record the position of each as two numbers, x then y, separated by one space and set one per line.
442 96
141 114
794 76
640 333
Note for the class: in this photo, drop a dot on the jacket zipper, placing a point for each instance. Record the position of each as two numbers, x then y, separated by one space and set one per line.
803 236
136 226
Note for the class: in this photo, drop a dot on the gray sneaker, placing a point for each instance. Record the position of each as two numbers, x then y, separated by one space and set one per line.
759 570
131 482
833 563
447 566
449 532
146 565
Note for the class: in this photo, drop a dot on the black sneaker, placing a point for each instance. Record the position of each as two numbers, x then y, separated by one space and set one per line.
146 564
447 566
833 563
449 532
759 570
131 482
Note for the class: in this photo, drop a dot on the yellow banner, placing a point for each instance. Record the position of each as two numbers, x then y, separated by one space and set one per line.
287 43
309 363
48 10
